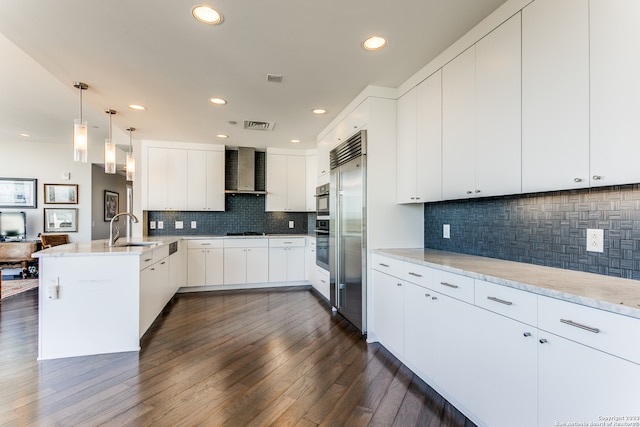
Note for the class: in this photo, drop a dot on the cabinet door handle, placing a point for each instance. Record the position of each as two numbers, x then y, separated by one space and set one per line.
427 295
449 285
477 191
501 301
543 341
399 284
597 177
579 325
527 334
148 259
415 274
434 298
384 265
163 263
577 179
469 192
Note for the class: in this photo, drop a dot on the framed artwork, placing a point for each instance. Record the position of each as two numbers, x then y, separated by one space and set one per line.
111 202
18 193
64 220
61 193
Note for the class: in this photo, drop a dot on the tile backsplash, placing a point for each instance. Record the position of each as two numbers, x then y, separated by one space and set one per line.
544 228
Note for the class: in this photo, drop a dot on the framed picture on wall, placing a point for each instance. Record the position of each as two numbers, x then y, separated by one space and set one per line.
63 220
18 193
111 204
61 193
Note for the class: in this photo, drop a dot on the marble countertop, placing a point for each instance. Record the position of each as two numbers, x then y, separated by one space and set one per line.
101 247
608 293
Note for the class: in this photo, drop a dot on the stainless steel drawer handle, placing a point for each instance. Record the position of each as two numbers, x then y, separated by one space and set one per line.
383 265
148 259
449 285
501 301
415 274
579 325
205 244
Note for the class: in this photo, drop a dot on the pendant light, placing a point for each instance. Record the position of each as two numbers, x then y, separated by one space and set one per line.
130 164
80 142
109 148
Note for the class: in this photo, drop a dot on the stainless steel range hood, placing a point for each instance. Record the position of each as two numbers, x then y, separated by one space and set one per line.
246 171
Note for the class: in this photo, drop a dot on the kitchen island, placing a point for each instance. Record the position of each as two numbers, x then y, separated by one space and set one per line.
98 299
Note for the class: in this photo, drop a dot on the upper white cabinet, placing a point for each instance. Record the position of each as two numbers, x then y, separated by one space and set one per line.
312 172
181 179
286 180
167 178
555 95
614 91
481 109
205 180
324 146
419 142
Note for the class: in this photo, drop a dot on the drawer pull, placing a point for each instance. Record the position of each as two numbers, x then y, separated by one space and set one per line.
501 301
543 341
449 285
578 325
148 259
383 265
415 274
427 295
163 263
527 334
205 244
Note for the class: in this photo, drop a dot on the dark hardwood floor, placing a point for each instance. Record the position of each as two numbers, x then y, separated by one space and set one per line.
250 358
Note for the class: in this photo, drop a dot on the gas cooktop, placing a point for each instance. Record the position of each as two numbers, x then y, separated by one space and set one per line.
246 233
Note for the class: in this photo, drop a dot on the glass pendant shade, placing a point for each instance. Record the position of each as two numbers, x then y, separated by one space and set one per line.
80 141
130 167
109 156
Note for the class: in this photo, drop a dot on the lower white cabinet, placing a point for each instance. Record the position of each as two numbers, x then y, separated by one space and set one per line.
205 262
388 309
154 292
286 259
246 261
321 282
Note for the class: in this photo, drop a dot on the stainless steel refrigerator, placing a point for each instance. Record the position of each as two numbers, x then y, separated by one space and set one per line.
347 230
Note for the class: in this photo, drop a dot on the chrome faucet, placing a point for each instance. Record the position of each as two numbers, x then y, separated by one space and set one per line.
113 239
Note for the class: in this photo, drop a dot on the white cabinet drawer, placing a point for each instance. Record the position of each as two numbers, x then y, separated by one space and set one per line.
286 242
514 303
146 259
161 252
205 243
418 274
454 285
246 243
388 265
612 333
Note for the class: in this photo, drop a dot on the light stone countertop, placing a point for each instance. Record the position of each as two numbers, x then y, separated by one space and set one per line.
101 248
608 293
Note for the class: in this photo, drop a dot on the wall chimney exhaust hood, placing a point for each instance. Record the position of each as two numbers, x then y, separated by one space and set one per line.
246 171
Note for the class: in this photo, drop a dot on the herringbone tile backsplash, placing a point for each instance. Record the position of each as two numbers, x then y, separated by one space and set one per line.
545 228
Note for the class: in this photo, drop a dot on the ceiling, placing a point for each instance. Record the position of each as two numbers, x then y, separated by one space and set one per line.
154 53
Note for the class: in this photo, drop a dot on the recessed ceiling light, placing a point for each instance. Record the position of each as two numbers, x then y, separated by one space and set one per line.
217 101
222 135
374 43
319 111
295 141
137 107
207 14
24 135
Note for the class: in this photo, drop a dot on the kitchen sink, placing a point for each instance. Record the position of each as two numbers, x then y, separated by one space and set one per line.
135 244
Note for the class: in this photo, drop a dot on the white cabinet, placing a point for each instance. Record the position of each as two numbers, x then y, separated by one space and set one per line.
286 181
178 267
614 91
388 311
311 179
321 282
205 262
325 145
555 95
310 259
154 292
166 178
419 142
246 261
286 259
481 99
206 180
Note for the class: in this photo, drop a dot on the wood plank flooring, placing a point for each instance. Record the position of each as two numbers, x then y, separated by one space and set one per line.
244 358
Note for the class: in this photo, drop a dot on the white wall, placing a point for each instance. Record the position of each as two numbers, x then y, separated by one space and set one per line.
100 182
47 163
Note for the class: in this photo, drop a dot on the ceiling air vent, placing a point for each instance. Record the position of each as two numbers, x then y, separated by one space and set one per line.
255 125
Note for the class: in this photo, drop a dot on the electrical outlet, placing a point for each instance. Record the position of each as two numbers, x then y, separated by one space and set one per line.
193 224
291 224
179 225
160 225
446 231
152 225
595 240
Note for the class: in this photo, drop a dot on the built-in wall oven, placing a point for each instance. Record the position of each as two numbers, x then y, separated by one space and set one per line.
322 200
322 242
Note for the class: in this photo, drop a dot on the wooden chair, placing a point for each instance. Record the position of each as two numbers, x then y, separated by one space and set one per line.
51 240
